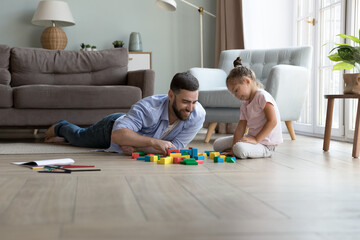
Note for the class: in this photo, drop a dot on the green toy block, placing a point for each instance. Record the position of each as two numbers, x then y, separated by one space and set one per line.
230 159
141 153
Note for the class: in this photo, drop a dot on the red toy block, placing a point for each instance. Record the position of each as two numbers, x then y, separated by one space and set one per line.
173 150
199 161
134 155
177 160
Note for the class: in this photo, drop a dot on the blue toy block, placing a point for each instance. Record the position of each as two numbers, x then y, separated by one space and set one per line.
140 158
208 152
200 157
194 152
185 151
147 158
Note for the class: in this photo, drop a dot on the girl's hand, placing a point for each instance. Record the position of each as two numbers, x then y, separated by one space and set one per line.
249 140
228 153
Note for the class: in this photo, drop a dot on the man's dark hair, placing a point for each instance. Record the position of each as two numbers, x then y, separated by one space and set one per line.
185 81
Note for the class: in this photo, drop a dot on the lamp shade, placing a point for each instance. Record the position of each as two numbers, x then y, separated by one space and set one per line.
49 12
169 5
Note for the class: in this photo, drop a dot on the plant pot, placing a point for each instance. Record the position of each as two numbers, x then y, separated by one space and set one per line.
352 83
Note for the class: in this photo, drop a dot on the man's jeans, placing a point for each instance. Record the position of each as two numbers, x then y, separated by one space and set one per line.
95 136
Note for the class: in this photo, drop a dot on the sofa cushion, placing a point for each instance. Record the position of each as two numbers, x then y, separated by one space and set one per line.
5 76
72 97
218 98
6 99
59 67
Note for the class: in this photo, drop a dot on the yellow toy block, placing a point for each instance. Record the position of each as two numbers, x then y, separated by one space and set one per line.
154 158
203 154
165 160
175 154
222 156
214 154
185 156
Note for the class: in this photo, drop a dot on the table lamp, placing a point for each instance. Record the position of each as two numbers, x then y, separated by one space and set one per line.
170 5
54 14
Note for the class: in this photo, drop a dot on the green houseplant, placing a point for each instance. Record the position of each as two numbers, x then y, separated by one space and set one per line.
118 44
348 57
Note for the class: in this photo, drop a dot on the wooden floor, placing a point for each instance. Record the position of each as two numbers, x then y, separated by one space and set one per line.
299 193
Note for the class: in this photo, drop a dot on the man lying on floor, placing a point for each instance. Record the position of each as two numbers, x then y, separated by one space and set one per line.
153 124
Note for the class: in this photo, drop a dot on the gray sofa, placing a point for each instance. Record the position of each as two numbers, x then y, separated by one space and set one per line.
39 87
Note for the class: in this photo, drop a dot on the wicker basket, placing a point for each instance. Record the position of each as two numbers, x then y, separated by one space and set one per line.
53 38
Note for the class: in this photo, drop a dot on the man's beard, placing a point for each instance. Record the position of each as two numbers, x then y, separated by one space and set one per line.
177 112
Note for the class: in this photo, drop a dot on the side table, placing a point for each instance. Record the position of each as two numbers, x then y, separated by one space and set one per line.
329 116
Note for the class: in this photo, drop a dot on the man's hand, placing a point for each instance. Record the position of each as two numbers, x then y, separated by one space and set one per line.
162 146
127 150
249 139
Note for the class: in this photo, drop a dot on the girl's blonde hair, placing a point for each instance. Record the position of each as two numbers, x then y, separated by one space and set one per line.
238 73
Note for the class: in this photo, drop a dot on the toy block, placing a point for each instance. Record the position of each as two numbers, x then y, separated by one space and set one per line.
200 157
177 160
165 160
173 150
202 154
185 151
230 159
208 152
200 161
134 155
194 152
214 154
141 153
185 156
154 158
147 157
223 156
218 159
175 154
189 161
140 158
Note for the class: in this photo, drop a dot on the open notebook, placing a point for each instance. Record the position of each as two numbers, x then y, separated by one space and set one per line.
60 161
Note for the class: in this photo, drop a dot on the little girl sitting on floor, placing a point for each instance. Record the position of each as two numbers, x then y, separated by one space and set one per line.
259 113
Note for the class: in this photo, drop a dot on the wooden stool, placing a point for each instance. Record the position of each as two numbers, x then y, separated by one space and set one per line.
329 116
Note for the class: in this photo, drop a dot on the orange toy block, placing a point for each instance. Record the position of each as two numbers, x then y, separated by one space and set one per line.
134 155
200 161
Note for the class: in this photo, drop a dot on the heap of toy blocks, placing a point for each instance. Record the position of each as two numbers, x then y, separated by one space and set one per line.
188 156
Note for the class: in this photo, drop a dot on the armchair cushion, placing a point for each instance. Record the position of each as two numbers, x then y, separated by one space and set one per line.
288 85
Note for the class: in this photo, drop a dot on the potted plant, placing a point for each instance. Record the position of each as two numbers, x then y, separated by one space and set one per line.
93 48
348 57
82 45
88 47
118 44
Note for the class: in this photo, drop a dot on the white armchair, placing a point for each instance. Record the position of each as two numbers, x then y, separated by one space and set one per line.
285 73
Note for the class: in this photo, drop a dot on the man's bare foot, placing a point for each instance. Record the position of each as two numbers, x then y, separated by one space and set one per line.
50 132
54 140
50 136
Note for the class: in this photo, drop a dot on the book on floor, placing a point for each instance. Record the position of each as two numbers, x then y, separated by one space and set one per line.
39 163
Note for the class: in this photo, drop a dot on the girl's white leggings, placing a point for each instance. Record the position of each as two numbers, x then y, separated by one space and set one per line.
242 149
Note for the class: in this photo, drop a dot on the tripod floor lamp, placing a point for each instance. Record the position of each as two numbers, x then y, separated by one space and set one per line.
170 5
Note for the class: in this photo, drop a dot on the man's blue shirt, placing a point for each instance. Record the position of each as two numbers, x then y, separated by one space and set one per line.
149 117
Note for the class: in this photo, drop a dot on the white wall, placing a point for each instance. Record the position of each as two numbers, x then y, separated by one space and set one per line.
269 23
172 37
